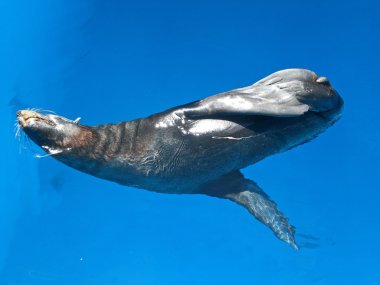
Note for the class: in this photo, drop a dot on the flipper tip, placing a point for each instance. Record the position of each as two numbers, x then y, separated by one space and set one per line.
294 245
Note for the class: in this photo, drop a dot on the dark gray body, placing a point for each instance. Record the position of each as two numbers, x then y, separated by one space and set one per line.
180 155
200 147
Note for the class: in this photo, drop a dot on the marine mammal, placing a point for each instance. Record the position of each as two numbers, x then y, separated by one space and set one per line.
200 147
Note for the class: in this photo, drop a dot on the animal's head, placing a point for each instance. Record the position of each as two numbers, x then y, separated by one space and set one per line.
55 134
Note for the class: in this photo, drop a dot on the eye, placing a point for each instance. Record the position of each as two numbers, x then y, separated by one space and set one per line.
49 122
49 119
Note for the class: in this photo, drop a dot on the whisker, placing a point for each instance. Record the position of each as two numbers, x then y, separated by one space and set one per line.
41 110
49 111
33 109
22 143
17 133
17 130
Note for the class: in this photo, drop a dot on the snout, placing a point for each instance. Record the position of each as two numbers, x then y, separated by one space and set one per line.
27 117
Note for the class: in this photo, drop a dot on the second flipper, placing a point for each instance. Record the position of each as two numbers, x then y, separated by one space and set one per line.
248 194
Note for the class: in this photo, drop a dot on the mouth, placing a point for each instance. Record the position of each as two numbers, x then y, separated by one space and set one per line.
27 118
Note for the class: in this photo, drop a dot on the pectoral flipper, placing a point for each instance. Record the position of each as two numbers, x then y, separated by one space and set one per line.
248 194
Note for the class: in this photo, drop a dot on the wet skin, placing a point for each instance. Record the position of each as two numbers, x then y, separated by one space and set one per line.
200 147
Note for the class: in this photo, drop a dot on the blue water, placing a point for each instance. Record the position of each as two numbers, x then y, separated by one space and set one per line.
108 61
